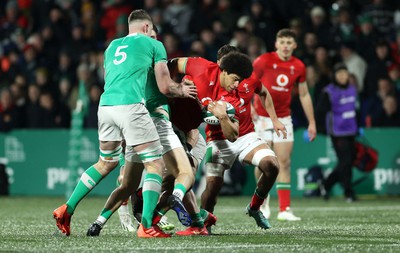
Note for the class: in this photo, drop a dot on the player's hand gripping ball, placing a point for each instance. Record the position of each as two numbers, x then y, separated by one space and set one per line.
209 118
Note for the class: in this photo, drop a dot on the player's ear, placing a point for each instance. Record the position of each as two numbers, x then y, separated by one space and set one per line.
294 45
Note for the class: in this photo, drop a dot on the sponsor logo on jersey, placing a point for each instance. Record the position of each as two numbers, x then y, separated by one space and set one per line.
282 80
292 70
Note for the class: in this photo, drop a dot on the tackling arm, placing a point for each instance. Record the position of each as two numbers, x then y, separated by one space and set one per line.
170 88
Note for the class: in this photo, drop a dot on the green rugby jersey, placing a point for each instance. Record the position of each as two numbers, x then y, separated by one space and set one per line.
127 63
154 98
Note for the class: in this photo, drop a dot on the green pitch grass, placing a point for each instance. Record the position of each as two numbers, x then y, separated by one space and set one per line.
370 225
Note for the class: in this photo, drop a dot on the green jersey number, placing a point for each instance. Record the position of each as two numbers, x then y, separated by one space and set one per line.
119 53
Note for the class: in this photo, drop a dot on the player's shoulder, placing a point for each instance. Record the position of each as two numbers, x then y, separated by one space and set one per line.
265 56
202 61
298 62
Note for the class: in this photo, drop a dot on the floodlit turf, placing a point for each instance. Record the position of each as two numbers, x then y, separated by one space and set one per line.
373 225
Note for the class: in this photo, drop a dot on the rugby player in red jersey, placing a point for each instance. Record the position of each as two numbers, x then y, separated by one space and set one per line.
279 71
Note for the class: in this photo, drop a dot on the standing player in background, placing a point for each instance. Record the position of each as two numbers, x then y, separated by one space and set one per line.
249 148
279 71
122 115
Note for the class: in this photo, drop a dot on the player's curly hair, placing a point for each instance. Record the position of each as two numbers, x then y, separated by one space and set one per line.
139 14
226 49
237 63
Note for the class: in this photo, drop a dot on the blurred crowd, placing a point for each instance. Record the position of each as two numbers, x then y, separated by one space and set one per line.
48 47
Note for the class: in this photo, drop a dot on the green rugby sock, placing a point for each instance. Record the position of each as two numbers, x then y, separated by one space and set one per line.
89 179
151 193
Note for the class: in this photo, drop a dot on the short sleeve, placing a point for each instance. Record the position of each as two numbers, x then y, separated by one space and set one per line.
159 52
196 66
302 76
258 66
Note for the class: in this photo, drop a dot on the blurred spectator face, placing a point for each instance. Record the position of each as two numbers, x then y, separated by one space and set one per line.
256 9
29 53
344 16
150 4
46 101
207 36
64 60
55 15
198 47
242 38
295 26
64 86
384 86
345 52
310 40
77 33
317 15
382 51
11 11
342 76
321 55
83 72
390 105
33 93
47 33
223 4
285 46
20 80
5 99
366 28
170 43
16 91
41 77
218 27
95 93
36 41
254 47
394 73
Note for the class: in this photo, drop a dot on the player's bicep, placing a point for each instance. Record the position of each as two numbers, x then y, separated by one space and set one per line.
161 73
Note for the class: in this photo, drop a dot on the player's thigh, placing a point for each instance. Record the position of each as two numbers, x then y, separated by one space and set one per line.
136 125
168 138
176 162
283 151
220 155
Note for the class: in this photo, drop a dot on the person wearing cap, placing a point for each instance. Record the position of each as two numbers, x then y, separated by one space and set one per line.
337 107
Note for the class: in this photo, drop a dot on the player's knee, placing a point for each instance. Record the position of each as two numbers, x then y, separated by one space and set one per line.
269 165
285 163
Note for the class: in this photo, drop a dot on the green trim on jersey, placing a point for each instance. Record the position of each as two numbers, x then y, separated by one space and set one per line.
127 62
184 65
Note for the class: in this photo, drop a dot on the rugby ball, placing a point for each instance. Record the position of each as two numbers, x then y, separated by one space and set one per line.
209 118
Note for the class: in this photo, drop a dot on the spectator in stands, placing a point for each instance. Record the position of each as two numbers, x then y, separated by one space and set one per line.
373 108
366 39
382 16
8 112
53 115
177 16
391 114
33 110
94 98
378 68
318 25
354 63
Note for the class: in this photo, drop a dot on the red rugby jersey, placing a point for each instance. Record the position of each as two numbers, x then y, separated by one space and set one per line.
247 88
278 77
206 76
